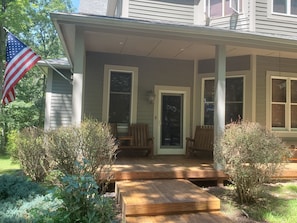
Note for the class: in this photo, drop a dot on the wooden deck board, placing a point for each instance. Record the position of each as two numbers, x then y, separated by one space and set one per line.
164 167
177 167
153 197
202 217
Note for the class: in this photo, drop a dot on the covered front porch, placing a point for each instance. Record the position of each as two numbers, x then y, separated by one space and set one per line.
198 169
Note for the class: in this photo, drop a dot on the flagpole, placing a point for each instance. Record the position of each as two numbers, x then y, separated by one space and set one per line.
62 75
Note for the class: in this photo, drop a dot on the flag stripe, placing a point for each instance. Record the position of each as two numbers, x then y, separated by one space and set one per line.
18 71
19 60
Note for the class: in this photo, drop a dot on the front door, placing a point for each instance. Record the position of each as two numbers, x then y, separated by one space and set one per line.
171 118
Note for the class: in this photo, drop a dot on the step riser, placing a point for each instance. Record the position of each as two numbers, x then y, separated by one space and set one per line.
164 209
141 198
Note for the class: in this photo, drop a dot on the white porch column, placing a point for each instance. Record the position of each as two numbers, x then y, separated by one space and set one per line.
78 78
219 111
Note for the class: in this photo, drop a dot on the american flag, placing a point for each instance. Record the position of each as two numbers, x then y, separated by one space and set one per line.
19 60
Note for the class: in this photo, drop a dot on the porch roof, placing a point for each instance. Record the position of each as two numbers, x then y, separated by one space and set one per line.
164 40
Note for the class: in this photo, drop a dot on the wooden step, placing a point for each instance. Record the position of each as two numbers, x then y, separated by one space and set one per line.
201 217
162 197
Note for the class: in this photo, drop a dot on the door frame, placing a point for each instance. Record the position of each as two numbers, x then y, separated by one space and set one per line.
159 89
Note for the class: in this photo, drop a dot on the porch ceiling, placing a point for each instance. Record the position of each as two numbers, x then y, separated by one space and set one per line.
142 38
167 48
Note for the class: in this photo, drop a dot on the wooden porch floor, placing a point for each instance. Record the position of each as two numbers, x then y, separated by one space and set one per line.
177 167
165 167
158 189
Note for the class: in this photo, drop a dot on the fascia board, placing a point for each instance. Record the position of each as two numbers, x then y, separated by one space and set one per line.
208 35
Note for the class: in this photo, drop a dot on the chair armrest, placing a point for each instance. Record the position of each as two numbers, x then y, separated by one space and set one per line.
190 139
125 139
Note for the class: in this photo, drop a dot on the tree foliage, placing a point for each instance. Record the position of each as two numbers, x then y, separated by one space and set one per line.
29 20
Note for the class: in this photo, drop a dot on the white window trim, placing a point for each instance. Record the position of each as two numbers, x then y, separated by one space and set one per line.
282 132
207 9
279 16
106 89
213 78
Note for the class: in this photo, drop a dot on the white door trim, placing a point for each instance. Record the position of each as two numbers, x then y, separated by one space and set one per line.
159 89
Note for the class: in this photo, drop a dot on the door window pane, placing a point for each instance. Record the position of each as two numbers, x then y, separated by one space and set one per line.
172 120
120 97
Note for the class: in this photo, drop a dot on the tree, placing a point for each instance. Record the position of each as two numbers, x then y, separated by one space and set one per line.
30 21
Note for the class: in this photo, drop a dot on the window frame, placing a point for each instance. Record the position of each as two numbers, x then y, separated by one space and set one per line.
287 130
288 9
227 77
207 8
106 90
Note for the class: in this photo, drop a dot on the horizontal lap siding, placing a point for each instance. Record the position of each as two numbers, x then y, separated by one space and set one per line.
265 64
61 101
179 11
224 23
280 25
151 72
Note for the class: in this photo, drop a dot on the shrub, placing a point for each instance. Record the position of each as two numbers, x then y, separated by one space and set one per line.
81 201
31 153
63 148
17 195
98 147
91 141
11 146
252 155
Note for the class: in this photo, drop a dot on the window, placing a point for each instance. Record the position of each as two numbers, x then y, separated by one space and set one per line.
288 7
120 95
219 8
283 103
234 100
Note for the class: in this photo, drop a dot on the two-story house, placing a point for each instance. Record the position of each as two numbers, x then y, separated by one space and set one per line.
175 64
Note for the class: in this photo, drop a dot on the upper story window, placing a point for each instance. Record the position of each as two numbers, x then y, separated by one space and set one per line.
234 100
220 8
287 7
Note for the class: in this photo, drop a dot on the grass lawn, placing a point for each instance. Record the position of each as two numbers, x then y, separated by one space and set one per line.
6 164
277 203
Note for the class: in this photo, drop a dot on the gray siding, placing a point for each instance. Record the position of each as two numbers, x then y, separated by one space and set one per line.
265 64
232 64
224 22
94 7
151 72
61 101
178 11
278 24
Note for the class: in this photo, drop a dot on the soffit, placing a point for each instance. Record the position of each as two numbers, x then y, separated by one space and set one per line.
129 37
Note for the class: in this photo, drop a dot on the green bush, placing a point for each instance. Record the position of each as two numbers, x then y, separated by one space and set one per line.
81 201
18 195
98 147
63 148
91 141
31 153
252 155
11 146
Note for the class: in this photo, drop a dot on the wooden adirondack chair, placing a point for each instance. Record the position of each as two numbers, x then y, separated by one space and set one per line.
138 139
202 142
